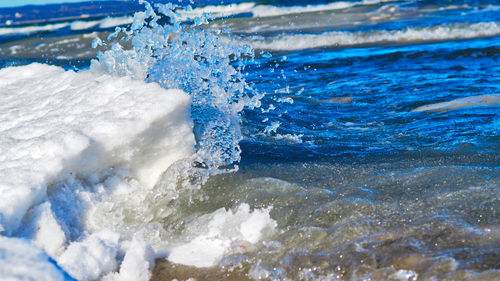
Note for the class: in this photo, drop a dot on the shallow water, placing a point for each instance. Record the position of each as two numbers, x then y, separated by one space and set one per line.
375 147
431 215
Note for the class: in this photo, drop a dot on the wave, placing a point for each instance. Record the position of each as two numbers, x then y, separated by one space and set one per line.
105 23
217 11
339 39
115 21
82 25
259 10
271 11
77 25
31 29
211 11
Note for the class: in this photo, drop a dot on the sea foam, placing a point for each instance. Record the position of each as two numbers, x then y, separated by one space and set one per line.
262 10
31 29
442 32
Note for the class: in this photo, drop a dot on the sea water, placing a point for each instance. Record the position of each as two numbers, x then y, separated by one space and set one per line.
264 140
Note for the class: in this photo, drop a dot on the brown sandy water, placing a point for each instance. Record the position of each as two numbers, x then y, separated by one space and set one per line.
407 217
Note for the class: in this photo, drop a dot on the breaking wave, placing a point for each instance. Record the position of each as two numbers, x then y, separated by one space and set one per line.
339 39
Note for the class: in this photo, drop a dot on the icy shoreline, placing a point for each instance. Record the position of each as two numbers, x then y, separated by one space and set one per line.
82 178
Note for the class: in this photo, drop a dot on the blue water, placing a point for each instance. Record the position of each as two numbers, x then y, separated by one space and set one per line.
389 187
385 84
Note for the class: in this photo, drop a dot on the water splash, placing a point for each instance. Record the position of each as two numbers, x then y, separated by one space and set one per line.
197 59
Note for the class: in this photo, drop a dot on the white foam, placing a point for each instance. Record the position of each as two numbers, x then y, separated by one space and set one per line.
14 49
271 11
291 138
58 127
434 33
45 231
221 232
20 260
31 29
116 21
81 25
218 11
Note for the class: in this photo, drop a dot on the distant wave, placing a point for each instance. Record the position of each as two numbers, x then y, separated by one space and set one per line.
31 29
118 21
76 25
219 10
270 10
337 38
212 11
82 25
103 23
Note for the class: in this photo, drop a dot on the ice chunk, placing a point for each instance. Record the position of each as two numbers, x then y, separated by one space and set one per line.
137 264
45 231
54 121
89 259
20 260
221 232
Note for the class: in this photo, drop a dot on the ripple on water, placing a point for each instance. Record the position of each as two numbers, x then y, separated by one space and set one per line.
382 220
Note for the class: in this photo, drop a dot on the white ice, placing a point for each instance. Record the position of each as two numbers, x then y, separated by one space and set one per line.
20 260
54 121
81 156
57 125
222 232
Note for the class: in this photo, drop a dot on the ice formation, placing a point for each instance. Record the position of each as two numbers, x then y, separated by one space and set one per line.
223 232
20 260
55 122
91 159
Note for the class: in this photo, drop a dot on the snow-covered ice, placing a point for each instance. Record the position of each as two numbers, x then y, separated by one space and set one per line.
81 158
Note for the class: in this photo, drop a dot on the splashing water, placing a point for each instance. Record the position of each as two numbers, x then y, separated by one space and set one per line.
200 62
106 201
